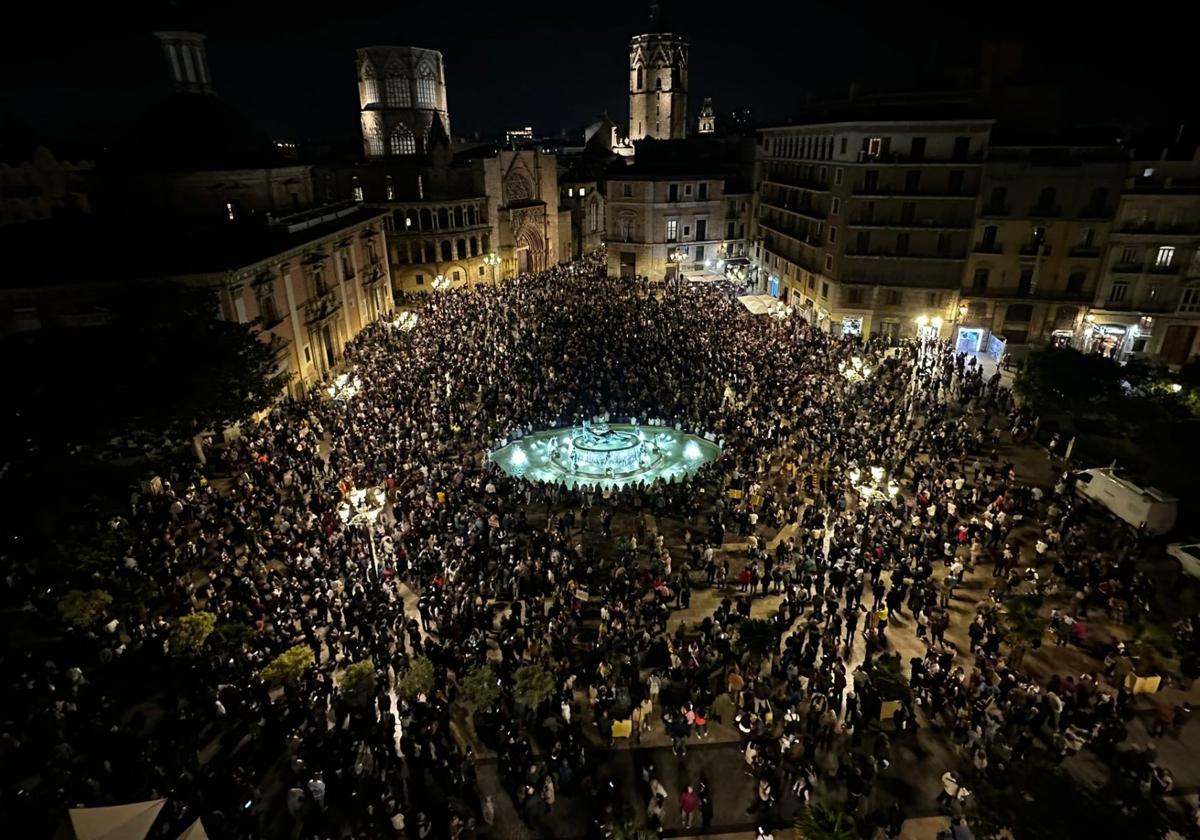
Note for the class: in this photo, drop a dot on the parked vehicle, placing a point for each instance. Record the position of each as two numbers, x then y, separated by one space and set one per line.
1188 555
1139 506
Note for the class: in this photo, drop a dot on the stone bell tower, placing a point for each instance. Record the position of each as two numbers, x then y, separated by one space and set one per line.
658 82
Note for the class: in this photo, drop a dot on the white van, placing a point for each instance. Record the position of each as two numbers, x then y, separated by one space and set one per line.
1113 489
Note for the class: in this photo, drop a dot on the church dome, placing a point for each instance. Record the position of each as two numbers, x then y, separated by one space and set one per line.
188 132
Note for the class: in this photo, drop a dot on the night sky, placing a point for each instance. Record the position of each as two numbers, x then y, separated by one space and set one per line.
558 65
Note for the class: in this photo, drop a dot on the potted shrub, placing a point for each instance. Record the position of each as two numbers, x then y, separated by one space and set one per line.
1153 654
192 631
889 683
417 680
533 686
1023 626
289 666
358 682
82 609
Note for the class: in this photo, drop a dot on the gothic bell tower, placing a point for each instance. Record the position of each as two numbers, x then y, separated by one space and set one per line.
658 82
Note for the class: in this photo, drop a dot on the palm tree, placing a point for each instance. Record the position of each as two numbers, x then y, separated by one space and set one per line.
1023 625
824 822
757 638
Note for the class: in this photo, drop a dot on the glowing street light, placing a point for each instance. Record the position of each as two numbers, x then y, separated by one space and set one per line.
362 506
492 259
344 387
922 321
856 370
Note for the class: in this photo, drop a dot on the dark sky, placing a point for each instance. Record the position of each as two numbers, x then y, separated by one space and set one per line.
87 73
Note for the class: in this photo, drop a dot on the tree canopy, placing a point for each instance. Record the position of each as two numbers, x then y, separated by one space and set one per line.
165 363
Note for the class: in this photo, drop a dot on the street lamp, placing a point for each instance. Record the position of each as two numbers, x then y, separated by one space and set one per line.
492 259
362 506
344 387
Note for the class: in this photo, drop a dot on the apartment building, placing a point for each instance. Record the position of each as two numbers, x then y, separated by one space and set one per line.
1040 234
864 226
681 208
1147 301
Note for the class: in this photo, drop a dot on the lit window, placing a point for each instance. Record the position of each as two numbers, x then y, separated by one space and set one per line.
672 229
570 192
1165 256
398 93
358 193
391 188
874 145
370 88
402 141
581 189
1148 172
229 210
426 91
1190 302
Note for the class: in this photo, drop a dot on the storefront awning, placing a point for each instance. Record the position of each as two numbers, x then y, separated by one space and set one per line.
759 304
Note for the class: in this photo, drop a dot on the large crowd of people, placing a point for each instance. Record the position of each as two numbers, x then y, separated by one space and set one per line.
840 507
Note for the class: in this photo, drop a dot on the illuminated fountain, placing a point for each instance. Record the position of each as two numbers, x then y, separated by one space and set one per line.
606 454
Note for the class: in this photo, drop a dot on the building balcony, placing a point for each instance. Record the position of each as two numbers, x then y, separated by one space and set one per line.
1041 294
911 224
319 310
1039 211
1094 213
1162 186
901 159
1127 268
806 212
797 184
861 191
888 255
1080 252
373 274
996 210
988 248
1154 229
1164 270
1030 249
795 236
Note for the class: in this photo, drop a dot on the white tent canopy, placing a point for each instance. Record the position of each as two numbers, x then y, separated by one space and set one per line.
195 831
118 822
759 304
705 276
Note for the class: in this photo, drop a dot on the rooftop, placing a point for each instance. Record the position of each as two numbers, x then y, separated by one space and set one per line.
104 255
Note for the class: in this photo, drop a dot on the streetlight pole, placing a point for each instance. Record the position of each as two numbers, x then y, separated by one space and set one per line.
363 507
492 259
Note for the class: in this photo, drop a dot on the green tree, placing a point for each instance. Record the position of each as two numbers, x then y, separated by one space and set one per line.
820 821
1023 625
1059 379
756 638
887 677
358 682
192 631
478 689
289 666
1153 648
231 637
417 680
183 367
81 608
1033 800
533 685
